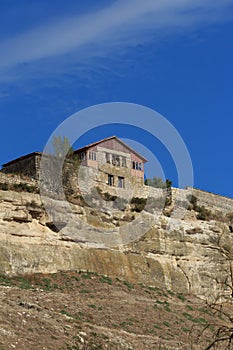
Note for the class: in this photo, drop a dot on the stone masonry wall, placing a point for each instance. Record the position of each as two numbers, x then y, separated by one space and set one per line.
89 177
148 191
25 166
214 201
12 179
206 199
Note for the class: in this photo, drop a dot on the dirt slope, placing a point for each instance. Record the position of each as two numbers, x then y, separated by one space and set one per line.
89 311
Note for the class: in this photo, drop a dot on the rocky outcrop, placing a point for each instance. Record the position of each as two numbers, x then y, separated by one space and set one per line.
187 255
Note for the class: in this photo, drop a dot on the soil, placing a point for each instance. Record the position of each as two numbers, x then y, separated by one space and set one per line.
83 310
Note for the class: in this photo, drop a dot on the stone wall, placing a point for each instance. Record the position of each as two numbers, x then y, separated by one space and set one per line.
209 200
89 177
12 179
86 179
148 191
27 166
213 201
182 256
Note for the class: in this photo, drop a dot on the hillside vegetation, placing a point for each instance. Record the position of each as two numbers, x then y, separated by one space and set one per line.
84 310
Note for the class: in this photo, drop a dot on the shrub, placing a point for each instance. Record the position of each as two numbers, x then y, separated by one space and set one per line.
157 326
19 187
230 217
5 280
4 186
192 202
138 204
181 297
97 193
203 213
108 197
188 316
106 279
86 276
24 187
168 201
24 283
129 285
191 318
186 330
156 182
31 204
168 183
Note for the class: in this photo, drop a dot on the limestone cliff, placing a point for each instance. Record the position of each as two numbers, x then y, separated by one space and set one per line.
185 255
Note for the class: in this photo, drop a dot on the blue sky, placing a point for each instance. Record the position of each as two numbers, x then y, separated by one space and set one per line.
174 56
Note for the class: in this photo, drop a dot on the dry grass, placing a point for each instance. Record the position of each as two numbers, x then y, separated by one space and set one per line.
88 311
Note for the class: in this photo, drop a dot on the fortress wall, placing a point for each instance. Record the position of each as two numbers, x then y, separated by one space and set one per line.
206 199
181 194
148 191
12 179
213 201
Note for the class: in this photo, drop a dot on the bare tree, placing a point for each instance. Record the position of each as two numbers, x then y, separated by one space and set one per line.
222 305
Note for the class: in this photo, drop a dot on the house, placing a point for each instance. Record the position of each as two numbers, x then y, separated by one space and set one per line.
27 165
108 163
112 163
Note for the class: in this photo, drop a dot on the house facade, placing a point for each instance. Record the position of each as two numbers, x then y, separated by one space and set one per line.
28 165
109 164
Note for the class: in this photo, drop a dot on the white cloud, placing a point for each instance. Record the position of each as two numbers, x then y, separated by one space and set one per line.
121 23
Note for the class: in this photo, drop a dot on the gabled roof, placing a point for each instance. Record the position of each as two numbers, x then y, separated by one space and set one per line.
79 150
85 148
22 158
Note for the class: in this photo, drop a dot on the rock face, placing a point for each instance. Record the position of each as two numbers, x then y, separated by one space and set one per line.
187 255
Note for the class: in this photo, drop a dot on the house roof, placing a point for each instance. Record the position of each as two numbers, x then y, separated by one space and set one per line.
79 150
111 138
22 158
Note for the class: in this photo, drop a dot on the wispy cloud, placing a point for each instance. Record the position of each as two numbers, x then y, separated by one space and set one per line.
122 23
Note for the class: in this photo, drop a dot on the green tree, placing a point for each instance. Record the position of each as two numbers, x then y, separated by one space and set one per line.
155 182
56 168
61 146
158 182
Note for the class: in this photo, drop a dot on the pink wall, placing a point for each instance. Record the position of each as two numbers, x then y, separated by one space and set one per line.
114 145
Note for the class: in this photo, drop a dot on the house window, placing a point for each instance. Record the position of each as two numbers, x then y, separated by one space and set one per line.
82 156
116 160
123 162
108 157
110 180
137 166
92 155
121 182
